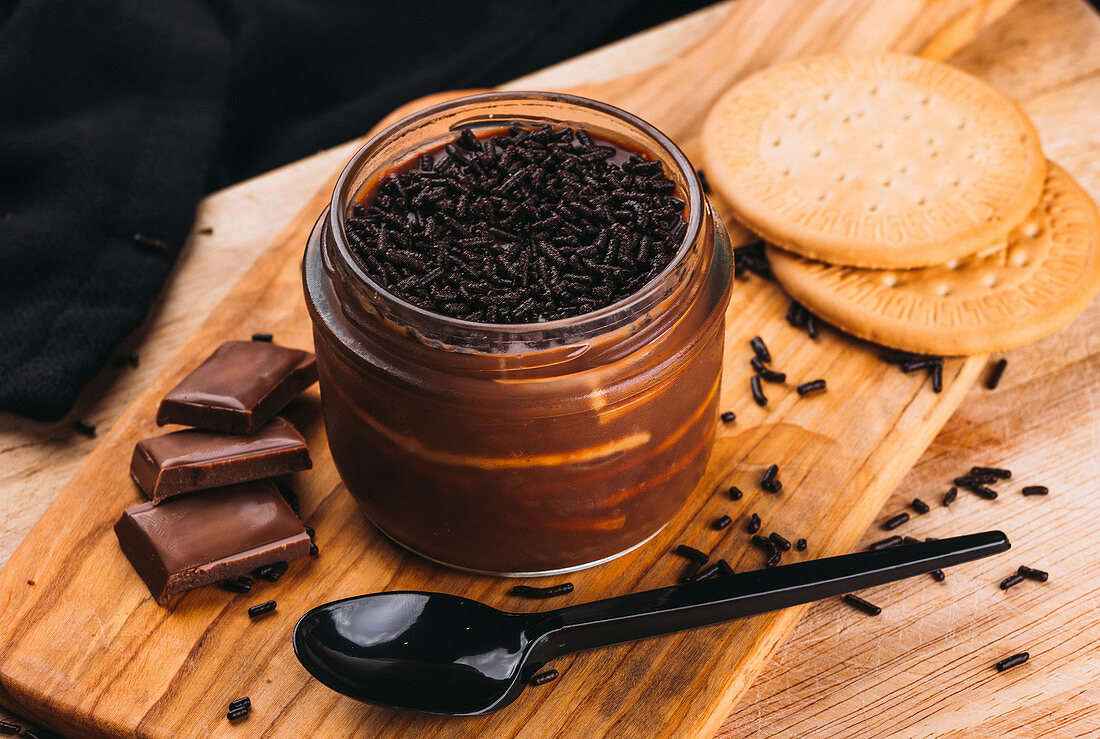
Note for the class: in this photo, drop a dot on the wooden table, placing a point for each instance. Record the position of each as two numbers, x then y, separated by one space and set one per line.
913 671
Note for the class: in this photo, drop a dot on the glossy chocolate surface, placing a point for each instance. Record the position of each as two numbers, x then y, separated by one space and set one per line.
209 537
239 387
192 459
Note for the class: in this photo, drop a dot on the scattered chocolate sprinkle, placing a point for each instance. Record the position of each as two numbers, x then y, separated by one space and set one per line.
735 492
241 703
800 545
238 713
722 523
1032 574
28 734
998 472
6 727
763 542
261 609
240 584
910 540
982 491
724 568
811 325
890 541
924 363
810 387
272 572
782 544
869 608
263 337
769 476
896 521
760 349
151 244
767 374
313 550
707 572
1014 579
754 524
752 257
692 553
703 181
896 356
1035 490
938 575
530 225
84 427
995 374
205 231
796 314
775 486
30 582
1013 661
550 591
728 417
545 677
949 496
757 391
920 506
930 538
937 378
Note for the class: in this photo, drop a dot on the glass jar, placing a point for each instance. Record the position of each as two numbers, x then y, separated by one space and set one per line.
522 449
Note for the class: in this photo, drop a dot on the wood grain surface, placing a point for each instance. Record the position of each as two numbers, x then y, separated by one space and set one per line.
87 624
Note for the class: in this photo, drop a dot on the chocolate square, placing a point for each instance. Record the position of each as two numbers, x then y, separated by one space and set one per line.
239 388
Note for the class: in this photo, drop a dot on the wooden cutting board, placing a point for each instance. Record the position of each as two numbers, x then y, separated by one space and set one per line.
86 650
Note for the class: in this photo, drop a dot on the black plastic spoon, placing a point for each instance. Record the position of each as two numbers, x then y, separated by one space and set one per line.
440 653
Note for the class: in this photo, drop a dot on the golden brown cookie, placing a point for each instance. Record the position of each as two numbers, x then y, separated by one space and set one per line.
1026 286
873 160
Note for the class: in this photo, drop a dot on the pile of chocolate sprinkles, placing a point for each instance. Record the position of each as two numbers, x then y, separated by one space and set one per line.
524 226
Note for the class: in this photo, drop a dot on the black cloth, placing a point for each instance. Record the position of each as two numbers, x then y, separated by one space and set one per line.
116 117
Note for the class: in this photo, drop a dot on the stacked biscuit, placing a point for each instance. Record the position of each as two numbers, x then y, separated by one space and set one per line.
905 201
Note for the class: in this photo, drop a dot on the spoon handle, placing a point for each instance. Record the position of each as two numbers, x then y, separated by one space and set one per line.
667 610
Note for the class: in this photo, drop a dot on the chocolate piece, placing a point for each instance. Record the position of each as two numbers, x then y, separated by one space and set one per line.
239 388
182 461
204 539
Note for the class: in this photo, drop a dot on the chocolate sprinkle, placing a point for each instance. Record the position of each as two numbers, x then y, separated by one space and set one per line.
757 391
545 677
261 609
982 491
890 541
949 496
272 572
735 492
782 544
692 553
995 374
767 374
800 545
869 608
722 523
769 476
1035 490
938 575
550 591
289 496
313 550
796 314
810 387
531 225
241 703
724 568
238 713
267 338
754 524
728 417
811 325
920 506
1013 661
760 349
996 472
6 727
703 181
896 521
921 364
84 427
937 378
240 584
1032 574
1011 580
706 572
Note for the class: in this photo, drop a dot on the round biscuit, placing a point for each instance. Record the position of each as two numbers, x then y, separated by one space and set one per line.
873 160
1029 284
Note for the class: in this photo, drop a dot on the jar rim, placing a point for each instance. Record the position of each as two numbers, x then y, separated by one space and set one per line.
597 319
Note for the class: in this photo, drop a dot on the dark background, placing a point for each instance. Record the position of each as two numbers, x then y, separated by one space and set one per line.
116 117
